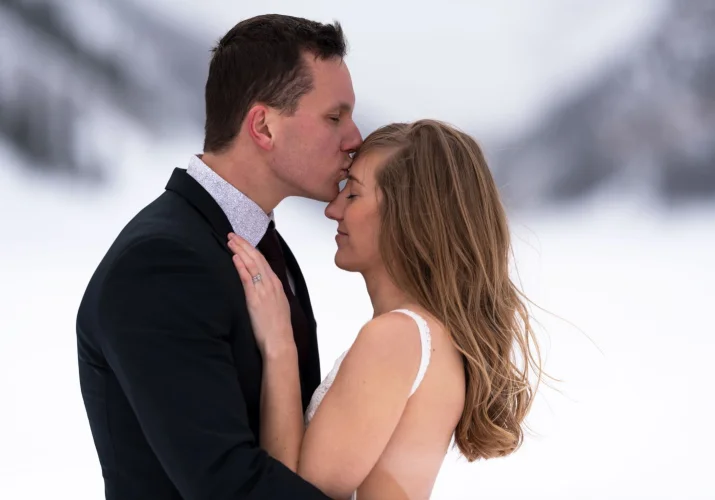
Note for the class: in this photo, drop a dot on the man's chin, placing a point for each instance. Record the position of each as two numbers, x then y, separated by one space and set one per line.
328 195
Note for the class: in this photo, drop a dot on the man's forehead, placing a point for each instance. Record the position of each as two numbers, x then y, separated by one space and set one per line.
332 85
331 70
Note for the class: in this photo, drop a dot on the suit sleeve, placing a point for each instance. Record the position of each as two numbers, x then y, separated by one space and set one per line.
166 322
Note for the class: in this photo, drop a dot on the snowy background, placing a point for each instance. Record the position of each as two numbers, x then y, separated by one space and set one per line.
598 119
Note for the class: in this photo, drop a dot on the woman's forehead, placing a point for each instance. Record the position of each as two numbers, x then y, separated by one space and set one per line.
364 167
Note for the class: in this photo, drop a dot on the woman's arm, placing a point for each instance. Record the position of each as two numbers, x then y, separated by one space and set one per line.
360 412
281 407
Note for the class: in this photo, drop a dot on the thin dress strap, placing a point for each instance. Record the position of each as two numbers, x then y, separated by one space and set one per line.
426 340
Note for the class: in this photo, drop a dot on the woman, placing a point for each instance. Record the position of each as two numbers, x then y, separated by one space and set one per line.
420 217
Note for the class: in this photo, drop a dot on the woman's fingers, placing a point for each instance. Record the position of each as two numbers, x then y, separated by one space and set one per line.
252 251
242 272
267 303
253 267
257 256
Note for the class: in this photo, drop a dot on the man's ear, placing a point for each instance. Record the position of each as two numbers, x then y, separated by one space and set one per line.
259 122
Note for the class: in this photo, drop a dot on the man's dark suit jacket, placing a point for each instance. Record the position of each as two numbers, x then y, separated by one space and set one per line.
169 369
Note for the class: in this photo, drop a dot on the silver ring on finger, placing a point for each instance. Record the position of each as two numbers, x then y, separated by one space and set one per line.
256 278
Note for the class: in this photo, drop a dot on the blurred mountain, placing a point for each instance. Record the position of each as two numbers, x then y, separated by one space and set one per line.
647 124
62 78
70 67
76 76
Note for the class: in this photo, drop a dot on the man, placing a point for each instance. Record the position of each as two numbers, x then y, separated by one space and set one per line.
169 369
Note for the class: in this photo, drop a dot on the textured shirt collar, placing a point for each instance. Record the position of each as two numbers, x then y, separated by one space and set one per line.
247 219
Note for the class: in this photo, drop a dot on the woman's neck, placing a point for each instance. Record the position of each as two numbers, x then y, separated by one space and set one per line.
384 294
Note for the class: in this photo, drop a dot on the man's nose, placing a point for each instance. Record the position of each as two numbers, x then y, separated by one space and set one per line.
354 139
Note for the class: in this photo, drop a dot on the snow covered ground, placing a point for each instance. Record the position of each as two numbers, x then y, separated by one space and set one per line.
633 286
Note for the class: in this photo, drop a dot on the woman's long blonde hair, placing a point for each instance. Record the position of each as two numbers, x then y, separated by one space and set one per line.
445 241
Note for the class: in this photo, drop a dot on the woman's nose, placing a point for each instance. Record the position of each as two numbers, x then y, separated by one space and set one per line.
334 210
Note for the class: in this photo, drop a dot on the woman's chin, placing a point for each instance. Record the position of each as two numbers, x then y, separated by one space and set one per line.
342 263
339 261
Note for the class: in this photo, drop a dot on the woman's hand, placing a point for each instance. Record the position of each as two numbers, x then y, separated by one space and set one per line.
281 410
265 298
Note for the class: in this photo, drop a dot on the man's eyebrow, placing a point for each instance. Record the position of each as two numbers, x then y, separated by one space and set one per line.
344 106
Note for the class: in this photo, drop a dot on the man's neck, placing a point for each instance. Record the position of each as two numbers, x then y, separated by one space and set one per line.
249 177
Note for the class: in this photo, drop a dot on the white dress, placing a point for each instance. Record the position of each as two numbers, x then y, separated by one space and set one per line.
323 388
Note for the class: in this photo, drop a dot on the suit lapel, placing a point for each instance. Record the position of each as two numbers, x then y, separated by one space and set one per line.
186 186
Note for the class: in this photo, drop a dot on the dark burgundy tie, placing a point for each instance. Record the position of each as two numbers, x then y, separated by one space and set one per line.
270 247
